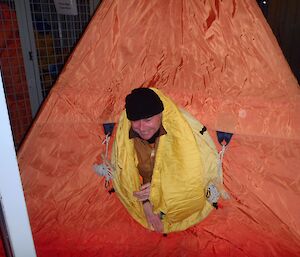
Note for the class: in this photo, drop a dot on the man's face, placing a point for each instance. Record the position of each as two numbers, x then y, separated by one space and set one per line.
146 128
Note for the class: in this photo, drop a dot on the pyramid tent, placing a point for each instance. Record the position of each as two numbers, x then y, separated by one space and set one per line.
217 59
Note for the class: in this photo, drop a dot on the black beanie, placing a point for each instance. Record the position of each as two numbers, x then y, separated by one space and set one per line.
142 103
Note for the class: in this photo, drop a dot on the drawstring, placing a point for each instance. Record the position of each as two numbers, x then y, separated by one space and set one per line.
223 193
215 189
105 169
220 161
106 142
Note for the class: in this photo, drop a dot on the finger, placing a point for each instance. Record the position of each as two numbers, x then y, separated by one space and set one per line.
144 193
145 186
141 197
157 224
147 189
140 194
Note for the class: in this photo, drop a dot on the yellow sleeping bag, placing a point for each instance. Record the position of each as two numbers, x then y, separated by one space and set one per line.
186 161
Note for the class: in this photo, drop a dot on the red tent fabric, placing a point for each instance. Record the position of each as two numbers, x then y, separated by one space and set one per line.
221 62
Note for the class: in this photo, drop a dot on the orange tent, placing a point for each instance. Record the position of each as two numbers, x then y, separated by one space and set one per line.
221 62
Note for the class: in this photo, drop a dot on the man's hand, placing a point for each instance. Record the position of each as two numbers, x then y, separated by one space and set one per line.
144 192
153 219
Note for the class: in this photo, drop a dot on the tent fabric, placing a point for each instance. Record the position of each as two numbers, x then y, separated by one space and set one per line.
221 62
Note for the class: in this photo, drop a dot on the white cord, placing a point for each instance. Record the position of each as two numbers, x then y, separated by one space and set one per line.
106 142
105 169
223 193
220 162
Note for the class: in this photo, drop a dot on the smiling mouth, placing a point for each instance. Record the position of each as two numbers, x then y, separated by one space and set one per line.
144 135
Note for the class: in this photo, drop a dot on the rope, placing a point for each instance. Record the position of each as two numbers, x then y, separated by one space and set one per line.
105 169
220 161
106 142
223 193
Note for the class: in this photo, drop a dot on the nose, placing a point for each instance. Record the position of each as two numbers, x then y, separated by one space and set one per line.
139 125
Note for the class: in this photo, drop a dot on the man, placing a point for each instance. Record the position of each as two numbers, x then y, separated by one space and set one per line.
144 110
162 163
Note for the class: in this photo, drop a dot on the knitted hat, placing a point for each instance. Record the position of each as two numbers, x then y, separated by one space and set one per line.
142 103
